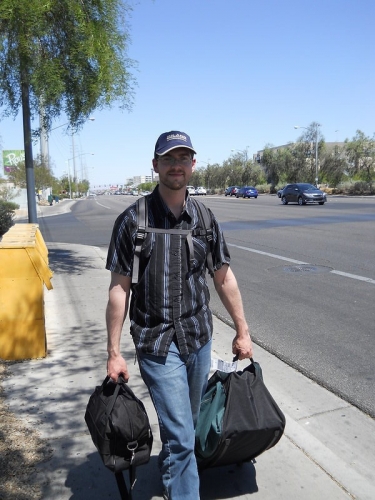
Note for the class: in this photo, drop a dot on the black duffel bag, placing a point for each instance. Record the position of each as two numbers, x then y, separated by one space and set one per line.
239 419
120 430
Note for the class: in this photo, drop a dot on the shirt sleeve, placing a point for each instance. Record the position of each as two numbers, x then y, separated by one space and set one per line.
220 252
121 249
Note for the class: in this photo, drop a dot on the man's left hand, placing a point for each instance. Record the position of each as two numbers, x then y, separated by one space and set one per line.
242 347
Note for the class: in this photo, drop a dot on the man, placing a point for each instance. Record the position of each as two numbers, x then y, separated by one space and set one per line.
171 323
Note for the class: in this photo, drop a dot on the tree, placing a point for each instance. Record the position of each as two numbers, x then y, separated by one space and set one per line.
299 164
7 213
286 164
197 179
65 185
360 152
215 177
233 169
83 186
271 166
62 56
246 177
222 176
7 193
147 186
305 150
334 165
42 174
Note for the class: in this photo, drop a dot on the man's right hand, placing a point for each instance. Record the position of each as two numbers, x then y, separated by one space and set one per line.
116 366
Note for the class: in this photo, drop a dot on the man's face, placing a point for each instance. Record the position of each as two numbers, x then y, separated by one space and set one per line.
175 168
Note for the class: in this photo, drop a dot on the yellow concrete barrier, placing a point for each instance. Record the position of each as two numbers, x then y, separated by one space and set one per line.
23 273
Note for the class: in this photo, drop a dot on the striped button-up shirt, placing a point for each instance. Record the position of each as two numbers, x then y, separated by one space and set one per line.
171 299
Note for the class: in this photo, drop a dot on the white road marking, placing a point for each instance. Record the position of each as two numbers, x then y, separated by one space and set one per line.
101 204
286 259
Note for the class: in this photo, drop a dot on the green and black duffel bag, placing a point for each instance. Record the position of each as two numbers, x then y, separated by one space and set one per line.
239 419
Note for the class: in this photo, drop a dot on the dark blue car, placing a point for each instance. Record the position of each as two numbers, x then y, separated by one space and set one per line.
247 192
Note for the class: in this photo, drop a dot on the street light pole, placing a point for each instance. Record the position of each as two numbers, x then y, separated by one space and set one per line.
316 149
316 155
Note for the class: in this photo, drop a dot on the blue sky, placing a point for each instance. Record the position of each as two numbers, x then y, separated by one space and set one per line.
232 74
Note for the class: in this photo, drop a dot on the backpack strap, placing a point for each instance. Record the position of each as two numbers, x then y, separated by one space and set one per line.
143 229
142 219
204 215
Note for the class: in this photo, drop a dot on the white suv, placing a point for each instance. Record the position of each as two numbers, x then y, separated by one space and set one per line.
191 189
200 191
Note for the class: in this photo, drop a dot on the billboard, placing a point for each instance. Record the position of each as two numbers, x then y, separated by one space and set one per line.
11 158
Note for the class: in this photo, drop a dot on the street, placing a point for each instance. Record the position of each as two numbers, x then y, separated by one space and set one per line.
307 277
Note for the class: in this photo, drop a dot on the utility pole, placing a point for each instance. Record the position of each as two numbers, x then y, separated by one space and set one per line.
29 162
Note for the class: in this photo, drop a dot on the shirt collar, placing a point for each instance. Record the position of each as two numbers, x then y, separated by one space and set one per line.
187 213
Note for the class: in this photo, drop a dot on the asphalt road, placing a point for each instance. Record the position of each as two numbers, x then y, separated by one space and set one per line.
307 277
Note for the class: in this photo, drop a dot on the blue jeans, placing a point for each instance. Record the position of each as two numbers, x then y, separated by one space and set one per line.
176 385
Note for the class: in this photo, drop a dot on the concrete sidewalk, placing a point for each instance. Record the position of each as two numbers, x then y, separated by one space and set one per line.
327 450
45 210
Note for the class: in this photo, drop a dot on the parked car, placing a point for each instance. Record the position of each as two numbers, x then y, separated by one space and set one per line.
302 193
191 190
279 192
247 192
231 190
200 191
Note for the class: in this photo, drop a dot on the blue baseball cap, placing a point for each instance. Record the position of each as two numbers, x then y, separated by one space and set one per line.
172 140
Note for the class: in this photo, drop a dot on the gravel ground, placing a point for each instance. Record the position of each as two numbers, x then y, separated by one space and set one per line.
21 450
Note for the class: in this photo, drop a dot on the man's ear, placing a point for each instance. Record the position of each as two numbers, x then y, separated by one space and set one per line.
193 164
155 165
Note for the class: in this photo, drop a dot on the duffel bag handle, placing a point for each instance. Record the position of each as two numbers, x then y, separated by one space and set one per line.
120 381
235 358
256 367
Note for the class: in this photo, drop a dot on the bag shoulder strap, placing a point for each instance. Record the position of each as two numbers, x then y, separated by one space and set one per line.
125 493
142 221
205 216
142 230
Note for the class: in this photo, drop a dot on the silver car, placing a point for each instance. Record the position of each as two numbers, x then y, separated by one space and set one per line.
302 193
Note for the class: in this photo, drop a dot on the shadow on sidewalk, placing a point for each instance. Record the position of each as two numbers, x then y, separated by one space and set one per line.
92 480
231 481
67 261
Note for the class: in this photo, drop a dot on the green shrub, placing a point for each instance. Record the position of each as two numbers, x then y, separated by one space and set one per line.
7 213
353 188
263 188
